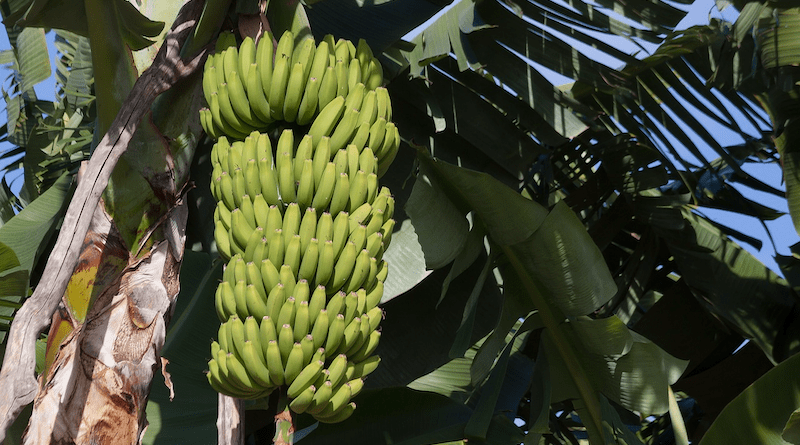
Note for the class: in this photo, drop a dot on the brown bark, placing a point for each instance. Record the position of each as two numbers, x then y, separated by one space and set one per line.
100 366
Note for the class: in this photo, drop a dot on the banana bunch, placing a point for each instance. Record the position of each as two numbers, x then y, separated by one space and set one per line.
302 222
249 87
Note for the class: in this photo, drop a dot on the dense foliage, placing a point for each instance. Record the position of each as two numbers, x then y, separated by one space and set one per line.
552 276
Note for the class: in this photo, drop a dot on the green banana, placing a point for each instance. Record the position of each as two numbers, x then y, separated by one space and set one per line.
224 301
308 227
285 342
355 97
269 184
292 255
308 265
305 186
260 210
335 332
369 108
368 347
339 399
305 150
287 278
321 398
275 362
264 60
337 370
322 156
360 136
222 239
327 119
374 78
319 332
255 365
328 88
247 56
294 92
359 237
327 184
209 79
358 190
254 303
374 296
266 333
256 96
274 221
353 75
291 221
275 244
287 313
252 181
360 271
239 100
345 129
316 303
295 362
341 78
218 120
236 329
305 378
341 51
308 104
227 112
353 159
341 415
264 149
301 319
302 401
336 304
269 275
365 367
275 300
225 186
341 194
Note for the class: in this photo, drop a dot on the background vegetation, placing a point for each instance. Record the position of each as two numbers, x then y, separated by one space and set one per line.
553 278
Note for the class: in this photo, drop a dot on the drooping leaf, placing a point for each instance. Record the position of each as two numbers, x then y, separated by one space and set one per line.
33 58
406 261
760 413
413 418
26 232
625 366
735 285
442 230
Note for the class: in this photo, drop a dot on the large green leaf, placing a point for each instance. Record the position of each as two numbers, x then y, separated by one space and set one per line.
33 58
736 286
406 261
441 228
402 416
623 365
26 233
758 415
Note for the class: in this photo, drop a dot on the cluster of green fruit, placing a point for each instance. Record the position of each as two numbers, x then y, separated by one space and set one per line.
303 227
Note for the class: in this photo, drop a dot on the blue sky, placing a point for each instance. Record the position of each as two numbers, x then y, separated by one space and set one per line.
781 229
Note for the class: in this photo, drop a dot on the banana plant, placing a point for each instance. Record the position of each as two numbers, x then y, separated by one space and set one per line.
537 281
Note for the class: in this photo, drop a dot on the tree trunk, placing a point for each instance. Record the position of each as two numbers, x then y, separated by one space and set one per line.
102 373
97 387
230 425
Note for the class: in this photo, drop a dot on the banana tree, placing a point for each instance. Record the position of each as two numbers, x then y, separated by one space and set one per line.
539 281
